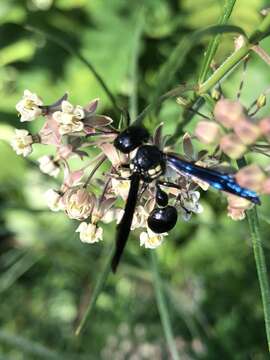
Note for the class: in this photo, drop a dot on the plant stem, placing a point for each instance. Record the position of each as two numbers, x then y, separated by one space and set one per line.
162 307
253 221
260 33
133 100
258 251
97 290
213 45
224 68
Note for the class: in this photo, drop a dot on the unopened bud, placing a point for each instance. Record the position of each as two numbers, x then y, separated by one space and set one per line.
261 101
182 101
232 146
266 186
207 132
251 177
215 94
247 132
228 112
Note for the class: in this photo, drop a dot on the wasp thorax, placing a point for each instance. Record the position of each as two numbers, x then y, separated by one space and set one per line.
149 162
163 219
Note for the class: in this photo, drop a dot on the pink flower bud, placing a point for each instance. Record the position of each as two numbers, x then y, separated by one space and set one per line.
207 132
228 112
232 146
266 186
265 127
247 132
251 177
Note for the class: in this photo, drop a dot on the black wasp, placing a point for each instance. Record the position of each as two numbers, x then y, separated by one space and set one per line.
148 165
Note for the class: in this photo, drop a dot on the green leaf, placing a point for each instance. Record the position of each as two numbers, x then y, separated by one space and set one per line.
100 284
19 51
253 222
162 307
65 45
259 256
34 348
133 100
178 55
21 266
213 45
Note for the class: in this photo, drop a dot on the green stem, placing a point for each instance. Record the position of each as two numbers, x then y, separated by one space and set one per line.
253 221
97 290
224 68
260 33
212 48
162 307
133 100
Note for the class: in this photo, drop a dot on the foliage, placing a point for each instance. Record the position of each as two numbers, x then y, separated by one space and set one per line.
47 275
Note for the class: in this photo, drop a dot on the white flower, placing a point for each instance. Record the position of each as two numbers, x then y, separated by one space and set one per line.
22 142
53 199
190 204
48 166
151 240
69 119
78 203
90 233
120 187
28 106
140 218
113 214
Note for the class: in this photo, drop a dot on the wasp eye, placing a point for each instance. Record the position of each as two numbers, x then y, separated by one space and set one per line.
162 220
129 139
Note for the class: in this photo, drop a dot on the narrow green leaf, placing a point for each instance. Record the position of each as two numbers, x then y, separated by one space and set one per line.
213 45
257 35
162 307
20 267
253 222
178 91
259 256
133 100
66 46
178 55
32 348
97 291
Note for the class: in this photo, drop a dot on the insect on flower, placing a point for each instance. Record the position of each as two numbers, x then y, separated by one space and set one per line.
148 166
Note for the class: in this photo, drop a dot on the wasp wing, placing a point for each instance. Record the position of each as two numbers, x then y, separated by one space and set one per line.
123 228
217 180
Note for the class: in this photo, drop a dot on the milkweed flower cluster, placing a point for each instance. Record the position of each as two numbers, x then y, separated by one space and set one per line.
92 196
235 132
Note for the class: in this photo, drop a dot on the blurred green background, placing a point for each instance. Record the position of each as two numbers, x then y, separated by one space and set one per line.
47 275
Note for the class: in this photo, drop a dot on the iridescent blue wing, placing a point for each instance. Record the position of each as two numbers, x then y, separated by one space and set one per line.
217 180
